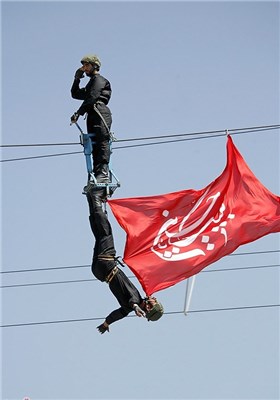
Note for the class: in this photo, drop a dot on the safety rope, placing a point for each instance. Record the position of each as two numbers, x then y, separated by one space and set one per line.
112 137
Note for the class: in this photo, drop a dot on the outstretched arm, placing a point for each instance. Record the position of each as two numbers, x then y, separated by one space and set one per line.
114 316
117 315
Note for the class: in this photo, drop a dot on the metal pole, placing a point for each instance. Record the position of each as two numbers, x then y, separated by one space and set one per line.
189 290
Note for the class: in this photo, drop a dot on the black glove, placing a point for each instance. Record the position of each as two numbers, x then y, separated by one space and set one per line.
79 74
138 311
74 117
102 328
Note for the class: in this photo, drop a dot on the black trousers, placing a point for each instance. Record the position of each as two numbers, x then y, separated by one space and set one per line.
104 241
121 287
101 147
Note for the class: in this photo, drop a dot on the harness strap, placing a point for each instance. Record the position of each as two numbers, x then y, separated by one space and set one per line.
117 259
105 257
111 275
104 122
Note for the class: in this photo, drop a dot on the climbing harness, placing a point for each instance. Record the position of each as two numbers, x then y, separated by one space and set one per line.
114 271
111 275
108 257
87 141
112 137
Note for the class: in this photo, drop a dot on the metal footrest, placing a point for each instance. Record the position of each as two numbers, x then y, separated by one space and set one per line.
87 141
110 186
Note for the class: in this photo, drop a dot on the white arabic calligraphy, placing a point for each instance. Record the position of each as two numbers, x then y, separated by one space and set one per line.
172 246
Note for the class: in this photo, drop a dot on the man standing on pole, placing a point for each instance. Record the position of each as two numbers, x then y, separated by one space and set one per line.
95 95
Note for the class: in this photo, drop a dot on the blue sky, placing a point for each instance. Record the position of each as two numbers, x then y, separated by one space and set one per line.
175 67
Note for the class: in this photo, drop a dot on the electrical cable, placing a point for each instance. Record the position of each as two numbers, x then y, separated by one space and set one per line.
176 140
132 316
87 265
223 132
38 144
132 277
247 130
44 269
219 134
213 134
51 283
43 156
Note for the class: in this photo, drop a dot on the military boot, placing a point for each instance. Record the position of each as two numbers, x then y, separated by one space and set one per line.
102 173
96 197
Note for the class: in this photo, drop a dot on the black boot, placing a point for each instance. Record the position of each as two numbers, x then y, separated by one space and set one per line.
102 173
96 197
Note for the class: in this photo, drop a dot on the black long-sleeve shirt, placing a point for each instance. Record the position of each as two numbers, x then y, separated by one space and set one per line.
126 294
98 88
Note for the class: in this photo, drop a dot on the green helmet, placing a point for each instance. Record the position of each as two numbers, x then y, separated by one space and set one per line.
155 313
92 59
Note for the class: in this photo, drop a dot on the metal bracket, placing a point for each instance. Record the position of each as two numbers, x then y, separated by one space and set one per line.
87 143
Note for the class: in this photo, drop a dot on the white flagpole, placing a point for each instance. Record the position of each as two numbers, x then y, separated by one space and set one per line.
189 290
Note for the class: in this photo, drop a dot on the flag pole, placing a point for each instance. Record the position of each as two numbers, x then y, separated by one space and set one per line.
188 295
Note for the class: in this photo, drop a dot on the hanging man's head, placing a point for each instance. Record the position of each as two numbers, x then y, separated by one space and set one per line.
153 309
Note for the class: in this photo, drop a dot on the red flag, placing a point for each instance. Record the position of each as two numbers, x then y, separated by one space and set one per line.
173 236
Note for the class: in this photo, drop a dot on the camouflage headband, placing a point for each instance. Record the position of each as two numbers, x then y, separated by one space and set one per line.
92 59
155 313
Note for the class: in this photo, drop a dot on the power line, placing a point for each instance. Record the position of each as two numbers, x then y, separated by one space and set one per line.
247 253
45 269
38 144
43 156
242 268
181 140
223 131
51 283
132 277
167 141
88 265
132 316
225 309
212 134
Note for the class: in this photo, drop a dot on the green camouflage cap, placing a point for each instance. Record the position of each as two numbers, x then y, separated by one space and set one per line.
155 313
92 59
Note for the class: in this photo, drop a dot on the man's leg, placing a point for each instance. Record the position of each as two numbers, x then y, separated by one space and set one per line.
100 225
101 148
101 158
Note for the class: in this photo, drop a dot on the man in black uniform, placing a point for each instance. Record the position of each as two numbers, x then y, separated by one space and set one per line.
105 269
95 95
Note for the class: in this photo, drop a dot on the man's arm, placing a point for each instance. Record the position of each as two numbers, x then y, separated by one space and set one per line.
115 315
77 92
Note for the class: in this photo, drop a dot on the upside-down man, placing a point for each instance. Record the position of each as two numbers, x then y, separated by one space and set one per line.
105 269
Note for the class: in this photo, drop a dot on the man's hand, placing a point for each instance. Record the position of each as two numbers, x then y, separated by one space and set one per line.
74 117
138 311
103 328
79 74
